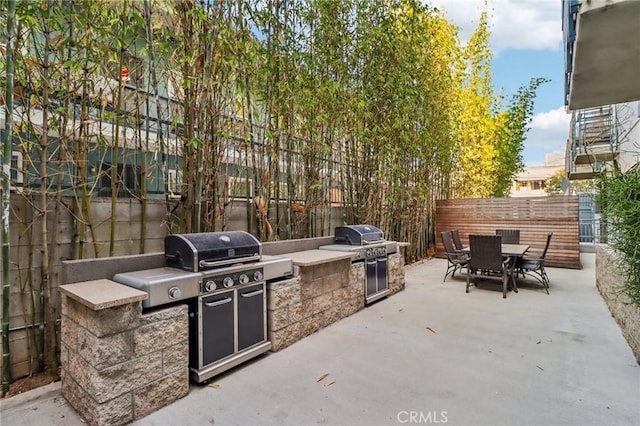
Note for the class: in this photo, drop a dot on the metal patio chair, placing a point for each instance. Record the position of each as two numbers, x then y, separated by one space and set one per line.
534 266
455 260
486 255
509 236
457 242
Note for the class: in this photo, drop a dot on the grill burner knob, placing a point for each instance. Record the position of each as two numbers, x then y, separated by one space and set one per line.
210 285
243 279
174 293
257 275
227 282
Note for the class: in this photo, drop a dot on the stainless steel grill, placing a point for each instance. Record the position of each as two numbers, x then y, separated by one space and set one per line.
207 250
358 235
370 247
222 277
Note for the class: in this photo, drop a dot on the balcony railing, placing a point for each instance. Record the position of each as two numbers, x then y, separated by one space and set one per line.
593 142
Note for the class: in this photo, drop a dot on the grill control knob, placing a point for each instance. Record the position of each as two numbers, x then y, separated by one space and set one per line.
210 285
257 275
174 293
227 282
243 279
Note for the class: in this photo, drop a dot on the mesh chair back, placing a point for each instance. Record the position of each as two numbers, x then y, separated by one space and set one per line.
486 252
448 244
546 247
456 239
509 236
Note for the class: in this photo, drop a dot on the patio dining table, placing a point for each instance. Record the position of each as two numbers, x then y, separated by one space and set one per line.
514 251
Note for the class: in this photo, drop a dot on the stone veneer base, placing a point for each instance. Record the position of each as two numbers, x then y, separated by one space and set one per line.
319 296
119 364
608 281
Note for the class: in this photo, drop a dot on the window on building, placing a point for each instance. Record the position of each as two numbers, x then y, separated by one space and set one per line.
17 176
174 183
128 179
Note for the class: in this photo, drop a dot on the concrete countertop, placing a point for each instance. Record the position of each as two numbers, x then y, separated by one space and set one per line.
102 294
317 257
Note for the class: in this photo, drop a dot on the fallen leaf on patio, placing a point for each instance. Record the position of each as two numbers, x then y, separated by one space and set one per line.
324 376
431 330
400 310
330 383
213 385
538 342
540 367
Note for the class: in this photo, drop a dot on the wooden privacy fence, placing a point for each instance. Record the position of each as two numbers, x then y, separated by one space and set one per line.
533 216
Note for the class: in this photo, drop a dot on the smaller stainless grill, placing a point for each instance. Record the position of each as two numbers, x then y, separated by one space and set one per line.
365 241
368 244
358 235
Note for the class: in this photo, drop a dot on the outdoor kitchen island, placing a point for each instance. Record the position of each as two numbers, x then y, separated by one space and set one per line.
121 361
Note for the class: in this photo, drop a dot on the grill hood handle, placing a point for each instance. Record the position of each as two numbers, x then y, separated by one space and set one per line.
207 264
374 242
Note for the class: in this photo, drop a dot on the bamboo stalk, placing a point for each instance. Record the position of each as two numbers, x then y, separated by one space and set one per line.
143 149
50 320
115 154
6 200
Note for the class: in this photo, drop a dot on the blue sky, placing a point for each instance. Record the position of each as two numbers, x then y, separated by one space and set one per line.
526 42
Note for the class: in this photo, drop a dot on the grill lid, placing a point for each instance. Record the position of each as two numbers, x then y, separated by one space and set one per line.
200 251
358 235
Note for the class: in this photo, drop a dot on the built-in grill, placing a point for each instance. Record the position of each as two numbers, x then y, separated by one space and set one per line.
369 246
222 277
207 250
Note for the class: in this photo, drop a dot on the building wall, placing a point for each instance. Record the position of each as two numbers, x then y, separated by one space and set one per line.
531 182
629 134
528 188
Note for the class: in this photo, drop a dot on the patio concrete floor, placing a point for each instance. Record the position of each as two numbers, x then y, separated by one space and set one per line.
429 354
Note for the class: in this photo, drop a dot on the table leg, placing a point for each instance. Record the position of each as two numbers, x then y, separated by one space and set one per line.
514 284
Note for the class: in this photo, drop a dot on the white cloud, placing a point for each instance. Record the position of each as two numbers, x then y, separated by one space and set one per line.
550 119
548 133
514 24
